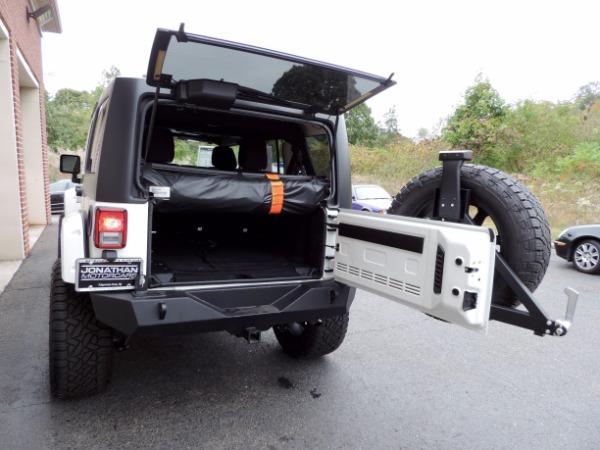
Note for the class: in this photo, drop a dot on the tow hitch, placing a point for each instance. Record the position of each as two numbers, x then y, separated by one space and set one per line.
252 335
451 204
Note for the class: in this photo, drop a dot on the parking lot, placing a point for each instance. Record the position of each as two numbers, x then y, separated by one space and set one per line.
401 380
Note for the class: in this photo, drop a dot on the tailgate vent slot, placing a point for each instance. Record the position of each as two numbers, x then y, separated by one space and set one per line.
378 278
439 270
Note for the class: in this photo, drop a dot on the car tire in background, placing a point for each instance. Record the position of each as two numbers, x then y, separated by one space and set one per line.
586 256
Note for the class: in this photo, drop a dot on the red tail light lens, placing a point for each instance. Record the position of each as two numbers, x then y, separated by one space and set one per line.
111 228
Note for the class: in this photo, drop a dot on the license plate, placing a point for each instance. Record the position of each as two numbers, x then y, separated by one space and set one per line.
101 274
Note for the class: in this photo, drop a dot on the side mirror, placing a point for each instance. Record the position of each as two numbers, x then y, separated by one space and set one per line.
71 164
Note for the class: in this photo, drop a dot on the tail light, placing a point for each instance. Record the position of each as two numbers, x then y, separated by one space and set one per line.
111 228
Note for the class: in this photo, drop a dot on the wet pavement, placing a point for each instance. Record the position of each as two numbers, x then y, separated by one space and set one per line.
401 380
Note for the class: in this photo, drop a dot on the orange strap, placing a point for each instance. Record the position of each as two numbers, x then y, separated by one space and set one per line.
277 193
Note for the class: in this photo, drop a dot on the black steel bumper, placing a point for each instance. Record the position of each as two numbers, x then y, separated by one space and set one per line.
235 309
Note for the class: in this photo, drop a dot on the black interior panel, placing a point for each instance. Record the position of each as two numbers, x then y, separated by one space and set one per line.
196 248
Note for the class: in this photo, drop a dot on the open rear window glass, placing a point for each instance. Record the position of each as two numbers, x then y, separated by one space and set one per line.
305 83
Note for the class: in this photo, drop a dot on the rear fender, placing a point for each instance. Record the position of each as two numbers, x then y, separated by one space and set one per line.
71 201
73 239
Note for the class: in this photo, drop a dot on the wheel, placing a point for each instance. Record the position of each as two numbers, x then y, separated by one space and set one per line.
586 256
497 201
81 348
307 340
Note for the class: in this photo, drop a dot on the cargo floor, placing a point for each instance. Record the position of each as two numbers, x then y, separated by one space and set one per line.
198 264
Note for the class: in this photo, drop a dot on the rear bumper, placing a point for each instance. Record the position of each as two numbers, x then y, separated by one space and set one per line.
232 309
562 250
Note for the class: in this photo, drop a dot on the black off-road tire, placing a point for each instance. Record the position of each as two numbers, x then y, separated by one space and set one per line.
316 340
523 230
81 348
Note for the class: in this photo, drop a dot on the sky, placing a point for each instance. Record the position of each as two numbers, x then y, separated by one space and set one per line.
527 49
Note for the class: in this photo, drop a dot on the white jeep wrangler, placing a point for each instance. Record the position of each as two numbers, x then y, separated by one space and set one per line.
160 238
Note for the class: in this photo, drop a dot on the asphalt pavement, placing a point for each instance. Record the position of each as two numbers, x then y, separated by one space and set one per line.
401 380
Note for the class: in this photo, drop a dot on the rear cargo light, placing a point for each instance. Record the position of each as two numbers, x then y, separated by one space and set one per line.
111 228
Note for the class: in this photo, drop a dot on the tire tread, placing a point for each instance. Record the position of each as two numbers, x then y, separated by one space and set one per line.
81 348
531 256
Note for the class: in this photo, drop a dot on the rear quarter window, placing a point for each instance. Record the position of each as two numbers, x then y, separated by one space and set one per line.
96 136
318 149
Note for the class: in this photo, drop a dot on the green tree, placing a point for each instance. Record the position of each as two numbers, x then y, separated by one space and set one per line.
389 133
108 76
186 152
105 79
535 133
476 123
362 129
422 134
587 95
69 111
67 118
390 121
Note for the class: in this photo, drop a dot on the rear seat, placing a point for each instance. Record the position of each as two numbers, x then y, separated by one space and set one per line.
223 158
226 190
187 189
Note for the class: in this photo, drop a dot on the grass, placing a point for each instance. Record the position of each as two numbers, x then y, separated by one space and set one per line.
566 202
393 167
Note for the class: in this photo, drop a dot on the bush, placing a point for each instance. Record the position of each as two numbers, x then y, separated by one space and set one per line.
476 124
583 162
534 133
394 166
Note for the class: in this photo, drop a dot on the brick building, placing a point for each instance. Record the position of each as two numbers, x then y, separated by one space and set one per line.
24 176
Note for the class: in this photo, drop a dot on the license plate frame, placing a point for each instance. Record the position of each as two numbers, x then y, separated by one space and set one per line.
105 275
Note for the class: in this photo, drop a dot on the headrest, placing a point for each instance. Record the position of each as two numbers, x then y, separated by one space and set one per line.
253 154
162 146
223 158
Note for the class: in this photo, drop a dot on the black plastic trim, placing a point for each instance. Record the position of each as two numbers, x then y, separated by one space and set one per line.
389 239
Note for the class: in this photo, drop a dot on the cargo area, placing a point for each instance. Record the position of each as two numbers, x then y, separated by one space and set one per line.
211 248
235 197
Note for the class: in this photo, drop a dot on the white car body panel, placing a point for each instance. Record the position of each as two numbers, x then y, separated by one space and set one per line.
72 201
74 236
137 230
72 244
465 273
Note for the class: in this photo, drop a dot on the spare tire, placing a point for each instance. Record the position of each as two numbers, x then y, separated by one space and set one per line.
498 201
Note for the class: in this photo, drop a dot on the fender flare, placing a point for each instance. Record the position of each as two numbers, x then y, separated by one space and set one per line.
73 244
